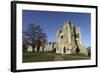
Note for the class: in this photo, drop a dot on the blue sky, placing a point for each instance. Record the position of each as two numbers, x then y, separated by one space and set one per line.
50 22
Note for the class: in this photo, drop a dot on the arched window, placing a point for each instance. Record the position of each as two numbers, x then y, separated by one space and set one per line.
60 31
61 37
70 22
49 43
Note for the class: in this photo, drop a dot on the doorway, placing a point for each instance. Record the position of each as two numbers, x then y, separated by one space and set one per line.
64 50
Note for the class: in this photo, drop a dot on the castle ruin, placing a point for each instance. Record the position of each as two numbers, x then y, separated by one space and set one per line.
68 41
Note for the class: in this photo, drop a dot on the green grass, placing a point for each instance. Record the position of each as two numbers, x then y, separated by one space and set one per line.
37 57
44 57
75 57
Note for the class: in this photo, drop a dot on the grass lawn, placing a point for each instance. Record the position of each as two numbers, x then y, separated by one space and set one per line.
37 57
75 57
44 57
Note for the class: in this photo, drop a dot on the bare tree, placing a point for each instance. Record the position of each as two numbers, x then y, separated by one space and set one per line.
34 35
40 37
30 35
43 41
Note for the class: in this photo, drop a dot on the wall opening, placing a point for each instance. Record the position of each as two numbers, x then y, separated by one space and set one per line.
64 50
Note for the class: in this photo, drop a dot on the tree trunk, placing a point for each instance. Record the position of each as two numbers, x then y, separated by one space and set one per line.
33 48
38 46
43 49
33 45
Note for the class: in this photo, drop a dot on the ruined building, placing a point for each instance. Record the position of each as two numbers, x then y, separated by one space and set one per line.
68 40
